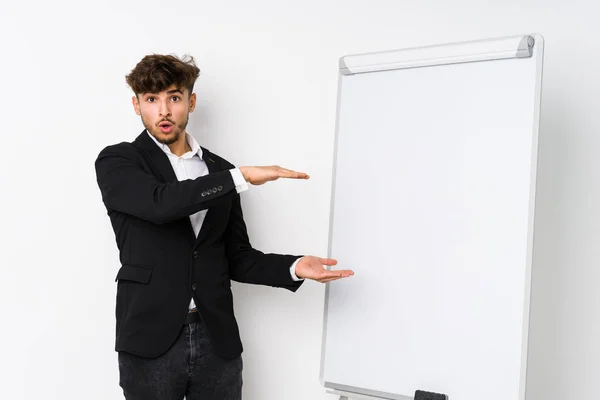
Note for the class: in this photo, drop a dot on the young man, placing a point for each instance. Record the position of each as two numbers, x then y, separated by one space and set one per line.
175 210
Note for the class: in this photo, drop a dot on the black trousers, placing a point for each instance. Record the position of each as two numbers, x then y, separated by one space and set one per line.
189 368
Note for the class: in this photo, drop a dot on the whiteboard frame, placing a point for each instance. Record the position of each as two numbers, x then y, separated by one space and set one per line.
536 50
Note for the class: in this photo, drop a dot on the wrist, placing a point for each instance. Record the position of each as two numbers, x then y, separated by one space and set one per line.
295 276
244 171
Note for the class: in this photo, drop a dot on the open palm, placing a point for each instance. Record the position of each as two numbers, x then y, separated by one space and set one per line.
311 267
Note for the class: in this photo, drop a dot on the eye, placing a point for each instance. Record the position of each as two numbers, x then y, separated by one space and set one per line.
175 98
150 99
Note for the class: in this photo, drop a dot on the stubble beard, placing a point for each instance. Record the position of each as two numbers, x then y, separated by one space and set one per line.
173 137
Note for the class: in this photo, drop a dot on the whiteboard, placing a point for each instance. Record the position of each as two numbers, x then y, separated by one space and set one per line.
432 206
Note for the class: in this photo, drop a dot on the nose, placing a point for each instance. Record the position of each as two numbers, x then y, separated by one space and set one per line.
164 109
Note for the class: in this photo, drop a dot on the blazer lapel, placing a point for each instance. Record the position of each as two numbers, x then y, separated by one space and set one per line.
163 169
156 157
160 164
210 163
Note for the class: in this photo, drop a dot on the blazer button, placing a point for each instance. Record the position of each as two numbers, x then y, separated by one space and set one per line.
195 254
214 190
220 188
203 194
194 286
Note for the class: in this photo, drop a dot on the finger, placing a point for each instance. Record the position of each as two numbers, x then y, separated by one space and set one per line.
331 279
284 169
293 174
288 173
336 274
327 280
289 170
342 274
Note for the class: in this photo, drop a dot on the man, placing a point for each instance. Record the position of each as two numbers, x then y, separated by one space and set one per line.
175 209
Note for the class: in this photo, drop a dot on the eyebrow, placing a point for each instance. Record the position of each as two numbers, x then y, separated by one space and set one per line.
169 92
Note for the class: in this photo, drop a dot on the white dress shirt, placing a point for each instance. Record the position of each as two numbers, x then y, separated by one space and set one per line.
191 166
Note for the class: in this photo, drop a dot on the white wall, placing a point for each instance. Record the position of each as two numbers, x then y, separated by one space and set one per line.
267 94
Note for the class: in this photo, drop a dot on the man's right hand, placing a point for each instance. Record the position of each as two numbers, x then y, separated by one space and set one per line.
260 175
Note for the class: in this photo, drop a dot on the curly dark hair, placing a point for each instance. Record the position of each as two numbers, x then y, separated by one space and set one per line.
156 72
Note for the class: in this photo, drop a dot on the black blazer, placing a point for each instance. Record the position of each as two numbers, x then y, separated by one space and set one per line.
163 264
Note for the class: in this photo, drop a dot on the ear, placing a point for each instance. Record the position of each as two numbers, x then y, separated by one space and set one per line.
136 105
192 102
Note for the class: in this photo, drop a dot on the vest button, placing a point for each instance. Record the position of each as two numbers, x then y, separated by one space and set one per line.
194 286
195 254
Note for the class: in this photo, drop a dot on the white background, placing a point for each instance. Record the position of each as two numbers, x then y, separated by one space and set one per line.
267 95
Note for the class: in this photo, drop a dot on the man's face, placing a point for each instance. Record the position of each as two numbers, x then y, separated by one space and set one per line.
165 115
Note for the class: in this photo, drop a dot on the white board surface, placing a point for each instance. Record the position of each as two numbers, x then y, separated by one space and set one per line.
433 208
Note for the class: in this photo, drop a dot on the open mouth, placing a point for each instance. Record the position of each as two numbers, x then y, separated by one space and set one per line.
165 127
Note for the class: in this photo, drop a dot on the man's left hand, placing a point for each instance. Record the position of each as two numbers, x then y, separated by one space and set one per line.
311 267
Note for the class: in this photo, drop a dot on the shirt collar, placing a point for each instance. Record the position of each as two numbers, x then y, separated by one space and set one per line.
196 149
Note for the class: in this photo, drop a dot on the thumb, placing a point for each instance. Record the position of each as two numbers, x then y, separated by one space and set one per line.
327 261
